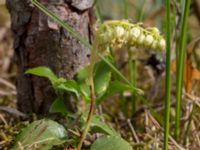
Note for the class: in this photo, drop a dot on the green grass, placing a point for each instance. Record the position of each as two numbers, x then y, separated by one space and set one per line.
180 68
168 76
126 9
140 11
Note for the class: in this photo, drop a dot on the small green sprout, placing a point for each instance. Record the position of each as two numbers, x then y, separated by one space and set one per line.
119 33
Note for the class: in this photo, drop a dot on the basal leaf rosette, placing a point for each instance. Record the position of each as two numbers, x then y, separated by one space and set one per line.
117 34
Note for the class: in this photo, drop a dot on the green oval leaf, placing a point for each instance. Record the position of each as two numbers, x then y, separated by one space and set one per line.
41 134
58 106
81 78
100 127
114 87
69 86
111 143
43 72
102 75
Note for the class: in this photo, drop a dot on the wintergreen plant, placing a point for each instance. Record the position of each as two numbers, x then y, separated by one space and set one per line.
119 33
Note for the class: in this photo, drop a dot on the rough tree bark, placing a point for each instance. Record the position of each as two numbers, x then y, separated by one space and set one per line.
38 41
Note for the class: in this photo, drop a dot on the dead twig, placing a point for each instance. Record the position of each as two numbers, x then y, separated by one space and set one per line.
13 111
133 131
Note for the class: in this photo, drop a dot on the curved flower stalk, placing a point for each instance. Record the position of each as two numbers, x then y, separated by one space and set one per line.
123 33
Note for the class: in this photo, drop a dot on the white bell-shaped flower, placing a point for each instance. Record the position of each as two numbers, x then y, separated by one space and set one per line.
141 38
134 33
162 44
148 40
119 31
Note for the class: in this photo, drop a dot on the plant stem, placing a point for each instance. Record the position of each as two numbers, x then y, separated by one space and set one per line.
126 9
132 68
140 11
180 67
189 123
92 95
168 77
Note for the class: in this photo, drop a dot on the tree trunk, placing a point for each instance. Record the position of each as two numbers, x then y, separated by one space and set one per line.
38 41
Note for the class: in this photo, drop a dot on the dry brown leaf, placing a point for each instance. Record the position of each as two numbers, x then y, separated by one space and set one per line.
190 73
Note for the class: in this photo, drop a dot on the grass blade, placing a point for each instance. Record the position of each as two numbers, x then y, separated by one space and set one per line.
180 66
98 15
140 92
62 23
168 76
126 9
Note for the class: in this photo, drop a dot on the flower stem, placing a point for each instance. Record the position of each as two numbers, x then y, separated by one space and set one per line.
133 71
92 96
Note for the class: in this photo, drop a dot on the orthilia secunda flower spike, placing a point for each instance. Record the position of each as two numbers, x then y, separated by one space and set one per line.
120 33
